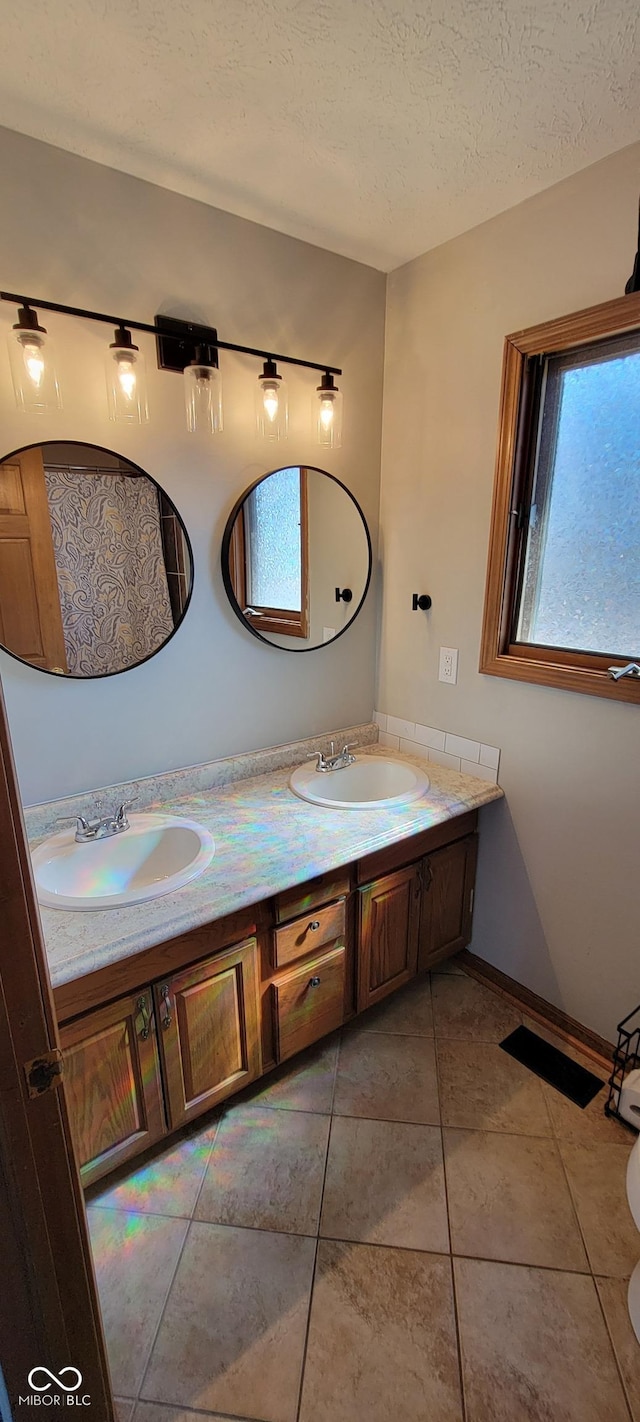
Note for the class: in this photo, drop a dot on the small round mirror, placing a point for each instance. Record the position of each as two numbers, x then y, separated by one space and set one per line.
95 562
296 558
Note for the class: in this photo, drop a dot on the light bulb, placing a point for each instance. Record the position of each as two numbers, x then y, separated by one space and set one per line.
326 412
272 412
126 385
271 401
127 377
329 413
32 366
33 359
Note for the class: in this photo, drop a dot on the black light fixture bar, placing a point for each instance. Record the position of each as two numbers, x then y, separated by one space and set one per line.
167 329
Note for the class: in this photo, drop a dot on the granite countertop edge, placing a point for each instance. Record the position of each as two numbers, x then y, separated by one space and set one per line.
267 841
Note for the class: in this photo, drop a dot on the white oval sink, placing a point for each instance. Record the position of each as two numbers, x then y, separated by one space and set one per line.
371 783
157 854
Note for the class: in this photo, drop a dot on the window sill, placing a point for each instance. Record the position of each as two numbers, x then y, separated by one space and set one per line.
558 674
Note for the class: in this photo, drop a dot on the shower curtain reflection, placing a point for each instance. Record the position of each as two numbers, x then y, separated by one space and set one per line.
112 579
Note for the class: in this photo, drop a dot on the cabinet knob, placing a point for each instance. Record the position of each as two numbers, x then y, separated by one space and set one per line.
314 982
315 924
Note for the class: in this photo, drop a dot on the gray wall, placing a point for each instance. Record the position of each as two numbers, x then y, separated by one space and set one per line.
558 905
77 232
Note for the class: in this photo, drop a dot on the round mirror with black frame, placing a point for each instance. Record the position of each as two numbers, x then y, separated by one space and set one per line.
296 558
96 566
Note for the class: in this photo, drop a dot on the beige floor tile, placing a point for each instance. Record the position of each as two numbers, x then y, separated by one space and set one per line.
232 1335
613 1297
466 1010
157 1412
587 1125
597 1178
391 1078
135 1257
534 1346
306 1084
166 1185
266 1170
407 1012
482 1088
123 1409
385 1185
382 1338
509 1199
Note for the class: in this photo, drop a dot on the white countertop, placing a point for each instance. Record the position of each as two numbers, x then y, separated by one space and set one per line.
267 840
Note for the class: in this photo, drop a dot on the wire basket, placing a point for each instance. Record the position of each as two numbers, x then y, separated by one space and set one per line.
625 1059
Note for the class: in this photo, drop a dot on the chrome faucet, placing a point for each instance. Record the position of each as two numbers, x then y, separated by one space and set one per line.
101 826
333 761
631 669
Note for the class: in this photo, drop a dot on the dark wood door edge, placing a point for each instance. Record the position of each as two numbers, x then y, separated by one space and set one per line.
553 1018
54 1317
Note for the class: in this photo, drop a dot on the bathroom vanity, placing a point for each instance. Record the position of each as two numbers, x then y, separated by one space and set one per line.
152 1038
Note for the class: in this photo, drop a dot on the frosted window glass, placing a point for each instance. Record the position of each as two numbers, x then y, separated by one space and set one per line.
581 587
275 555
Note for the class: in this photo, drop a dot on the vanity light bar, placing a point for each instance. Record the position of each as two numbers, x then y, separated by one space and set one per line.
169 334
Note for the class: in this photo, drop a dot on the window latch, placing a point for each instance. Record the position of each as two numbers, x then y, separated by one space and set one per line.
631 669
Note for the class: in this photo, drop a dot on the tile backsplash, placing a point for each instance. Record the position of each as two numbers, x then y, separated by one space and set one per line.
443 747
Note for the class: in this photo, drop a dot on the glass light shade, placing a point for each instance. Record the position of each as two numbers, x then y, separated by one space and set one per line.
203 398
33 371
329 415
126 382
272 406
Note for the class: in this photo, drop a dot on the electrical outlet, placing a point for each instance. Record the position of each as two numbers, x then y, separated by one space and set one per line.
448 665
328 634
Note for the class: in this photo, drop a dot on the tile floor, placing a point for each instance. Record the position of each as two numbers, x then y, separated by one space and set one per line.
404 1224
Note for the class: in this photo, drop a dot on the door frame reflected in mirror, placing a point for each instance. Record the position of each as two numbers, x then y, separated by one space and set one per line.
233 560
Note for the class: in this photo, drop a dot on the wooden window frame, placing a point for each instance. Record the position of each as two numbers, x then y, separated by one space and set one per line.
274 619
499 656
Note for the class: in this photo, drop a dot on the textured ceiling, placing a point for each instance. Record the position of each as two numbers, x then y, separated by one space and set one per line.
375 128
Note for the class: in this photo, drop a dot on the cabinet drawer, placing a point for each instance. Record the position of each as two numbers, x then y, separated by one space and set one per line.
307 934
309 1002
300 900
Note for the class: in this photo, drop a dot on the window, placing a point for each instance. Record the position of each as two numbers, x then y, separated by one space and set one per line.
563 584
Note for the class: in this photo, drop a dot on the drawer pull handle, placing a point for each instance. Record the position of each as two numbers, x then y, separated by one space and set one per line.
143 1011
314 982
166 1018
315 924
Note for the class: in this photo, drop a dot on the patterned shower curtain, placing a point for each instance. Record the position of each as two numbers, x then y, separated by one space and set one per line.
111 571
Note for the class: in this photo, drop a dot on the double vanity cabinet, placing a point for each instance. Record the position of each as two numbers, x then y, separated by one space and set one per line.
154 1040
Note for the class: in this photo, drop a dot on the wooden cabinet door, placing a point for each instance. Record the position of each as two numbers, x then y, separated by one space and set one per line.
112 1083
388 927
447 900
208 1024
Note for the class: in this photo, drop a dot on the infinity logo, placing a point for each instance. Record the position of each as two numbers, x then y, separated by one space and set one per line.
66 1387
